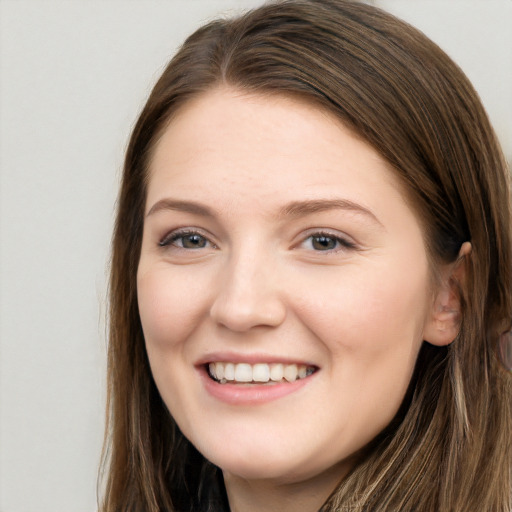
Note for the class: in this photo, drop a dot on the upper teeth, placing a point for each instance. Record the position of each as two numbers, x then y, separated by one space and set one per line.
260 372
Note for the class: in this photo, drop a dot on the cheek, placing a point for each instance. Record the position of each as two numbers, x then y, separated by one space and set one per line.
170 307
372 317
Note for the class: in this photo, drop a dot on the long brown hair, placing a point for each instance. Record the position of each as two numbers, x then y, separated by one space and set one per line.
450 446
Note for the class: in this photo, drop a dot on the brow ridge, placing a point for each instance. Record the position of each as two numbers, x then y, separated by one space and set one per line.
303 208
183 206
293 209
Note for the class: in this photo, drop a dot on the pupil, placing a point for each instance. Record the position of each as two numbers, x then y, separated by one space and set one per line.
193 241
324 243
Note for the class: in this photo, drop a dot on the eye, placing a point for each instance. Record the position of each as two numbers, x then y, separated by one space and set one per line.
323 243
186 240
326 242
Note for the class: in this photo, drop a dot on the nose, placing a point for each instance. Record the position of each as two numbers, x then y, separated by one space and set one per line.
249 295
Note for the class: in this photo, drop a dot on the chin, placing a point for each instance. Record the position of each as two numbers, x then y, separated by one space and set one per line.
264 467
245 463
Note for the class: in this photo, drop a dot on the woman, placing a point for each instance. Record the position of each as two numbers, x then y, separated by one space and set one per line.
311 276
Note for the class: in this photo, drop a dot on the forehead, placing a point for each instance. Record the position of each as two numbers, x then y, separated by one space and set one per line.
249 141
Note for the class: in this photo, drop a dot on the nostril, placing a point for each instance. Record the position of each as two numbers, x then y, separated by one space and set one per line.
242 315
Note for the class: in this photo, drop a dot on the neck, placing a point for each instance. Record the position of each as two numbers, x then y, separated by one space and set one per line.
270 496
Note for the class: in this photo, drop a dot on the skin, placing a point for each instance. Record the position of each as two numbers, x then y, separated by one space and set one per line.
258 284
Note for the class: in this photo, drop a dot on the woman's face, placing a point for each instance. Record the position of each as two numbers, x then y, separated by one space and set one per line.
283 285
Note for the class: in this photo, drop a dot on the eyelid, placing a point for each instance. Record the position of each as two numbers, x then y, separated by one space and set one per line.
346 241
175 234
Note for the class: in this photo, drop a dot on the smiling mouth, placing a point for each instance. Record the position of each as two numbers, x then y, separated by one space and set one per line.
259 373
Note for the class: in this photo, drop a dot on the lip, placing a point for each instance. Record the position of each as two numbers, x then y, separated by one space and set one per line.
230 357
254 393
250 394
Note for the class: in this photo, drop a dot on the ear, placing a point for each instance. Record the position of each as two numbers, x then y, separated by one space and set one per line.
443 322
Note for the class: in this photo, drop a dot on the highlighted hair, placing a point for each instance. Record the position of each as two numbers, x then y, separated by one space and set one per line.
450 446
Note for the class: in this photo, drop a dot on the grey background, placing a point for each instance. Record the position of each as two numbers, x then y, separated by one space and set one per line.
73 76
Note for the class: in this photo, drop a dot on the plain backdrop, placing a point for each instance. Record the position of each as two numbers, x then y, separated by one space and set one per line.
73 76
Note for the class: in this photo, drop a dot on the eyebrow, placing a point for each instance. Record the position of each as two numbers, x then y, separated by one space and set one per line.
293 209
182 206
303 208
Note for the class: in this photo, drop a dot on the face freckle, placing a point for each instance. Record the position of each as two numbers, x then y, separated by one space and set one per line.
283 243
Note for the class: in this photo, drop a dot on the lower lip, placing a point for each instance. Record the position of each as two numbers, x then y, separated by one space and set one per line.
251 394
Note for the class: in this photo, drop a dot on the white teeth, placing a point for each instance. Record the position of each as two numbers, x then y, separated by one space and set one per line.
219 371
243 372
260 372
276 372
290 372
229 371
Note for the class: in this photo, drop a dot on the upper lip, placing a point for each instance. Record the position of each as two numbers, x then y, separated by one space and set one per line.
234 357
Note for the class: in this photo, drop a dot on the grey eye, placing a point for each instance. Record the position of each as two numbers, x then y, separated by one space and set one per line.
323 243
185 240
192 241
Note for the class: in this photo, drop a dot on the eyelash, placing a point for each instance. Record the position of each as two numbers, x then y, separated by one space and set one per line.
171 239
341 243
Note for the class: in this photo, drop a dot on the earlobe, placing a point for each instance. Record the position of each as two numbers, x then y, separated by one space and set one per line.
443 324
